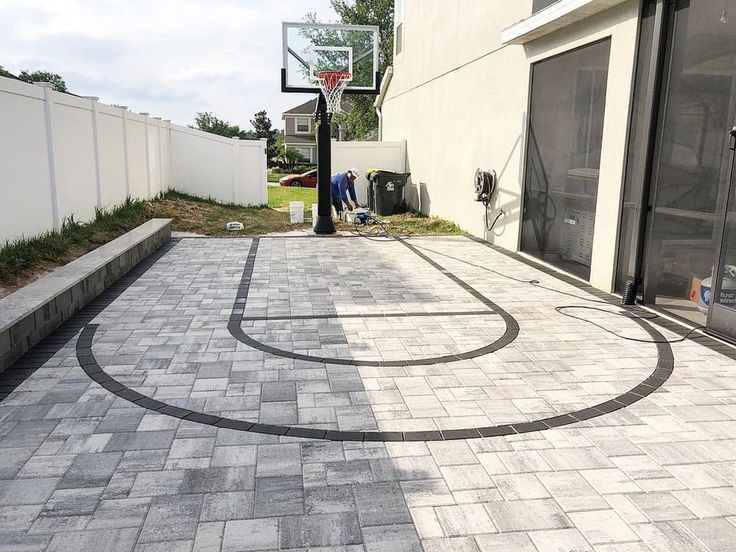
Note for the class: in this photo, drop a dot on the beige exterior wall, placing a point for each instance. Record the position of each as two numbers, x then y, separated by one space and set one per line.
459 98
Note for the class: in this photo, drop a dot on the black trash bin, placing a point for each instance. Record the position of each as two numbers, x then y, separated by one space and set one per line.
386 192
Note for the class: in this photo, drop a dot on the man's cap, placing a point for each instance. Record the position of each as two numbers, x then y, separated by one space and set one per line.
355 172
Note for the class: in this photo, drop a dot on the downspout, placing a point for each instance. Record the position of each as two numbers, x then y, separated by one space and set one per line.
378 104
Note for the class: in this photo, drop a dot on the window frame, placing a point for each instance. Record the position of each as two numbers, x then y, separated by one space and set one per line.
296 125
301 150
398 27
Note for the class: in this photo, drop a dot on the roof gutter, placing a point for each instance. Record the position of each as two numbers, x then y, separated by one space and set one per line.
378 104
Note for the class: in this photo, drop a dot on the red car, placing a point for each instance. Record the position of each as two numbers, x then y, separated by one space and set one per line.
306 180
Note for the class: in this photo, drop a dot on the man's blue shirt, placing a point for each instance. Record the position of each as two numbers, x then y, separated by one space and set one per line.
341 186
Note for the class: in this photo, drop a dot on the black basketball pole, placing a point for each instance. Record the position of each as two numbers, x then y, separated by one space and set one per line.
324 170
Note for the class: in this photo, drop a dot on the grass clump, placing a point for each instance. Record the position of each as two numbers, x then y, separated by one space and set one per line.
208 217
23 257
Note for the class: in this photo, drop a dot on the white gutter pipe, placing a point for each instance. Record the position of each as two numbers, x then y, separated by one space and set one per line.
378 104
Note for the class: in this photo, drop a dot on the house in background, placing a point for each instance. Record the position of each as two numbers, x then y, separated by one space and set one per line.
299 130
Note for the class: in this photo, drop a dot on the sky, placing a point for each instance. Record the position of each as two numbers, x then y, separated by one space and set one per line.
170 58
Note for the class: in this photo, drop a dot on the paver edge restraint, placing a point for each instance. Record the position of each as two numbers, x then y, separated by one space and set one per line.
663 370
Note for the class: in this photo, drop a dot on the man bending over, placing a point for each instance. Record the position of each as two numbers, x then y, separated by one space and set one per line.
342 185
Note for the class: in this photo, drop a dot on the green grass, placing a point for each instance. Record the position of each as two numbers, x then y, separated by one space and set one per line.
274 176
22 258
419 224
280 196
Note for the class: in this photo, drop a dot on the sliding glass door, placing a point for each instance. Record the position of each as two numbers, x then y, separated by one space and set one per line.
568 96
681 165
722 316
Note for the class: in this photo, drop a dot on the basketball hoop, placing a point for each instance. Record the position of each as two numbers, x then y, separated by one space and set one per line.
332 84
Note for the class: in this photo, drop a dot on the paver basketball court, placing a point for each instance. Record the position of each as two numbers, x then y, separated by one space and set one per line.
352 411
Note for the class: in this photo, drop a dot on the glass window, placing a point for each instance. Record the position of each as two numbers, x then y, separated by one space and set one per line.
568 98
538 5
302 124
398 26
306 153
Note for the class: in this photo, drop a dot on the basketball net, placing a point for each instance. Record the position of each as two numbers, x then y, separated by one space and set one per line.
332 84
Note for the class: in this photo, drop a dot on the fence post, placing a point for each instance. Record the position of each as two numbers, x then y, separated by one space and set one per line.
264 172
235 171
158 153
148 157
403 155
48 100
169 154
96 142
124 109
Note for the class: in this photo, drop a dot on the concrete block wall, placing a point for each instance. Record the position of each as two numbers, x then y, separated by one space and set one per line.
34 311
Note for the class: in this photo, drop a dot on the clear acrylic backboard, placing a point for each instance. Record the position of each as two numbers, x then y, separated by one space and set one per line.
310 48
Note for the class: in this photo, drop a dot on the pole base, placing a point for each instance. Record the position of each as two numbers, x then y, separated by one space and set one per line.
324 225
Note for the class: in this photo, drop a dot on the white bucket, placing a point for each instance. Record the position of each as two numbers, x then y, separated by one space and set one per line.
315 207
728 294
296 212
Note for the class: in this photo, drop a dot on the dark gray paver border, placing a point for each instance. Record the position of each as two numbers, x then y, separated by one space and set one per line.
661 373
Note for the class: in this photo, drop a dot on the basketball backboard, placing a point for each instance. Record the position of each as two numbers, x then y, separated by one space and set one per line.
315 47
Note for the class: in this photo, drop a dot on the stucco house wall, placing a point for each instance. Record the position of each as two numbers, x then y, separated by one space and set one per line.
459 97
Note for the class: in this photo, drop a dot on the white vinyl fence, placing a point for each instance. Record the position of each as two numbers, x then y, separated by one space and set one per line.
62 155
368 155
234 170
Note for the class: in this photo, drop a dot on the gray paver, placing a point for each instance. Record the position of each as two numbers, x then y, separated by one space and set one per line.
170 516
279 496
320 530
253 534
28 491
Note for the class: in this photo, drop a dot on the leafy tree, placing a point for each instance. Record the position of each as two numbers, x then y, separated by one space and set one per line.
290 157
37 76
371 12
208 122
278 145
261 124
44 76
361 121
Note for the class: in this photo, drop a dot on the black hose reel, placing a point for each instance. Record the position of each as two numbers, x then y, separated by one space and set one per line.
486 184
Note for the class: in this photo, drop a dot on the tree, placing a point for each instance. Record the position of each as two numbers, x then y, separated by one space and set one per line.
37 76
290 157
208 122
361 120
261 124
44 76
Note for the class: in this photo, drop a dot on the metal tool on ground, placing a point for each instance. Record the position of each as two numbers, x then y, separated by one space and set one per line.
368 226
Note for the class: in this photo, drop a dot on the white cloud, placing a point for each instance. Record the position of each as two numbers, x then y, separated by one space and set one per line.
171 58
